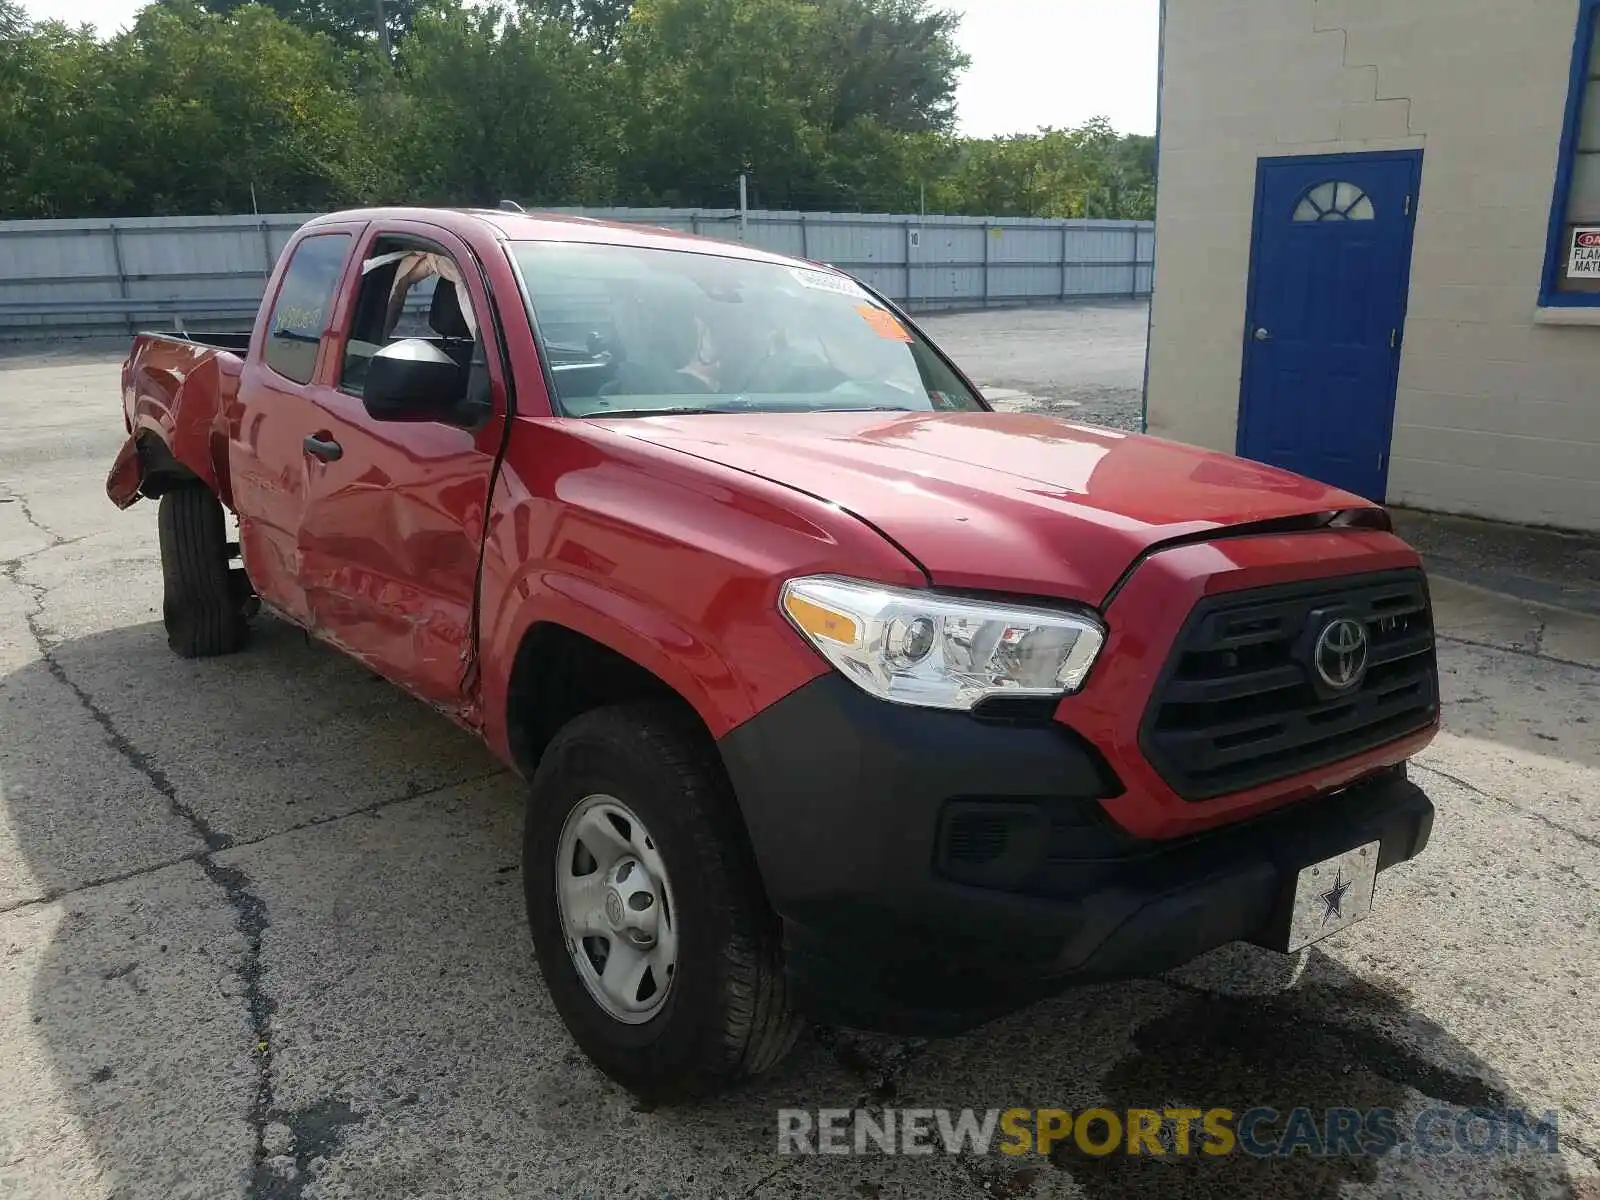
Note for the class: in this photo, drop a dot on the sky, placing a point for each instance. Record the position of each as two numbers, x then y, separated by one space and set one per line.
1058 62
1034 62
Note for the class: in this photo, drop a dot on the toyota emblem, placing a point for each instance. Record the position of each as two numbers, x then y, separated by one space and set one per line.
1341 652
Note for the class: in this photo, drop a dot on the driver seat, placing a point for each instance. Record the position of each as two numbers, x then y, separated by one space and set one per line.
447 320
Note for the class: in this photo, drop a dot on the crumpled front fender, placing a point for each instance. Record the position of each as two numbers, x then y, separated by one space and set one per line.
126 476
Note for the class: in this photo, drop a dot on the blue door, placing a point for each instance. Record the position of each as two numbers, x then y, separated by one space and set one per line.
1330 268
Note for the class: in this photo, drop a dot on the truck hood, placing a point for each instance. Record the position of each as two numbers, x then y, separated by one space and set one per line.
1008 502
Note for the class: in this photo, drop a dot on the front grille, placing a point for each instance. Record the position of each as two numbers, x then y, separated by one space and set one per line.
1240 705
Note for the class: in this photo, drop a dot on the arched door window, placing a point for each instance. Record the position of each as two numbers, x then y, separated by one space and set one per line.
1335 202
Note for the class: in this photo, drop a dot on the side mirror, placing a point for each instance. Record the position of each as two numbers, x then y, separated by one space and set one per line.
414 380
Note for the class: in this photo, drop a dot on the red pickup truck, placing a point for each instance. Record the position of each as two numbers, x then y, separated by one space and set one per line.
839 693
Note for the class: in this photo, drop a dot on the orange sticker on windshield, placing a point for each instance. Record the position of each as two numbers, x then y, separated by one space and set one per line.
884 323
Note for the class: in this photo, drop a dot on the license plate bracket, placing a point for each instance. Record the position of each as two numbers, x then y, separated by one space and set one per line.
1332 895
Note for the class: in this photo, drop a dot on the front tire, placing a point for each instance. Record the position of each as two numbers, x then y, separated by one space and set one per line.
201 605
630 809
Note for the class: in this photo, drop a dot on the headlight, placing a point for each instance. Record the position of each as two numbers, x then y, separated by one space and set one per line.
934 651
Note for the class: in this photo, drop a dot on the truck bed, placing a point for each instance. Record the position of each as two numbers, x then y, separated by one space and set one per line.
235 343
176 393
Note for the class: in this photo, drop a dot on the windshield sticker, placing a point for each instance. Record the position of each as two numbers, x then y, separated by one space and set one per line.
822 281
884 323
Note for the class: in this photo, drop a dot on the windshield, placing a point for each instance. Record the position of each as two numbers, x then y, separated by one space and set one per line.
630 331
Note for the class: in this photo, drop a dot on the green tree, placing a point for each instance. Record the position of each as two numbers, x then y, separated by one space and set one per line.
782 89
352 23
870 168
711 88
56 159
213 105
219 113
1089 171
598 23
500 105
893 61
13 20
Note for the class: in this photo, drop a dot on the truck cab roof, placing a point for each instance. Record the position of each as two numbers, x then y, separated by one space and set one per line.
554 227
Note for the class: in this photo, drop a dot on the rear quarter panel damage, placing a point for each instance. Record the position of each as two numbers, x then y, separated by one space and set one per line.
177 399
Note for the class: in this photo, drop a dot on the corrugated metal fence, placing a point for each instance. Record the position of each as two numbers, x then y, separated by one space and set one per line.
74 277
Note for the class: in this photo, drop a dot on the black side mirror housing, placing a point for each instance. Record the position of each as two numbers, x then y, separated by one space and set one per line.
414 380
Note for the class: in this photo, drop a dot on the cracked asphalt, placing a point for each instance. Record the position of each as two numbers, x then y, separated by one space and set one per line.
261 930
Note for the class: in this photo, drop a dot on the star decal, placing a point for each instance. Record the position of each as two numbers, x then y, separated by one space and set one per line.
1333 899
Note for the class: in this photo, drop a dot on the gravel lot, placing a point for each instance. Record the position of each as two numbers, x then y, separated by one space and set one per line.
1085 362
261 931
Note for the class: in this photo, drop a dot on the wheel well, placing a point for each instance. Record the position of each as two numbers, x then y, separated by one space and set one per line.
558 675
159 469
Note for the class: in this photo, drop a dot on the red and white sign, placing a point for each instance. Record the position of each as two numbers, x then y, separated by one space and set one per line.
1585 262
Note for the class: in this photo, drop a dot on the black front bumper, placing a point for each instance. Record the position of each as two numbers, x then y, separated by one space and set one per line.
934 870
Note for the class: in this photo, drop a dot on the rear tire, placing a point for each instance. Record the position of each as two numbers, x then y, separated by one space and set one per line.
727 1013
201 606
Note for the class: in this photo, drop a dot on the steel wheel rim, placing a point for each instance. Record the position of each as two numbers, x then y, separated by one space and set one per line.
616 908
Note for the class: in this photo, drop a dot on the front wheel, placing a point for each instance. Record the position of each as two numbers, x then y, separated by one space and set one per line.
648 919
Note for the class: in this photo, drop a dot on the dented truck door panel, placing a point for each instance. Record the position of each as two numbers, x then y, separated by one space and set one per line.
393 526
271 466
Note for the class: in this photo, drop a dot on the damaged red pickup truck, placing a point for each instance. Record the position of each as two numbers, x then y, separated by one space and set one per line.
839 694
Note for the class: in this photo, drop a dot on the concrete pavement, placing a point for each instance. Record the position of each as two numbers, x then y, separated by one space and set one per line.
1084 362
261 932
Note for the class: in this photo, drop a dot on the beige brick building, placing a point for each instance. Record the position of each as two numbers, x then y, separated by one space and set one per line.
1372 258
